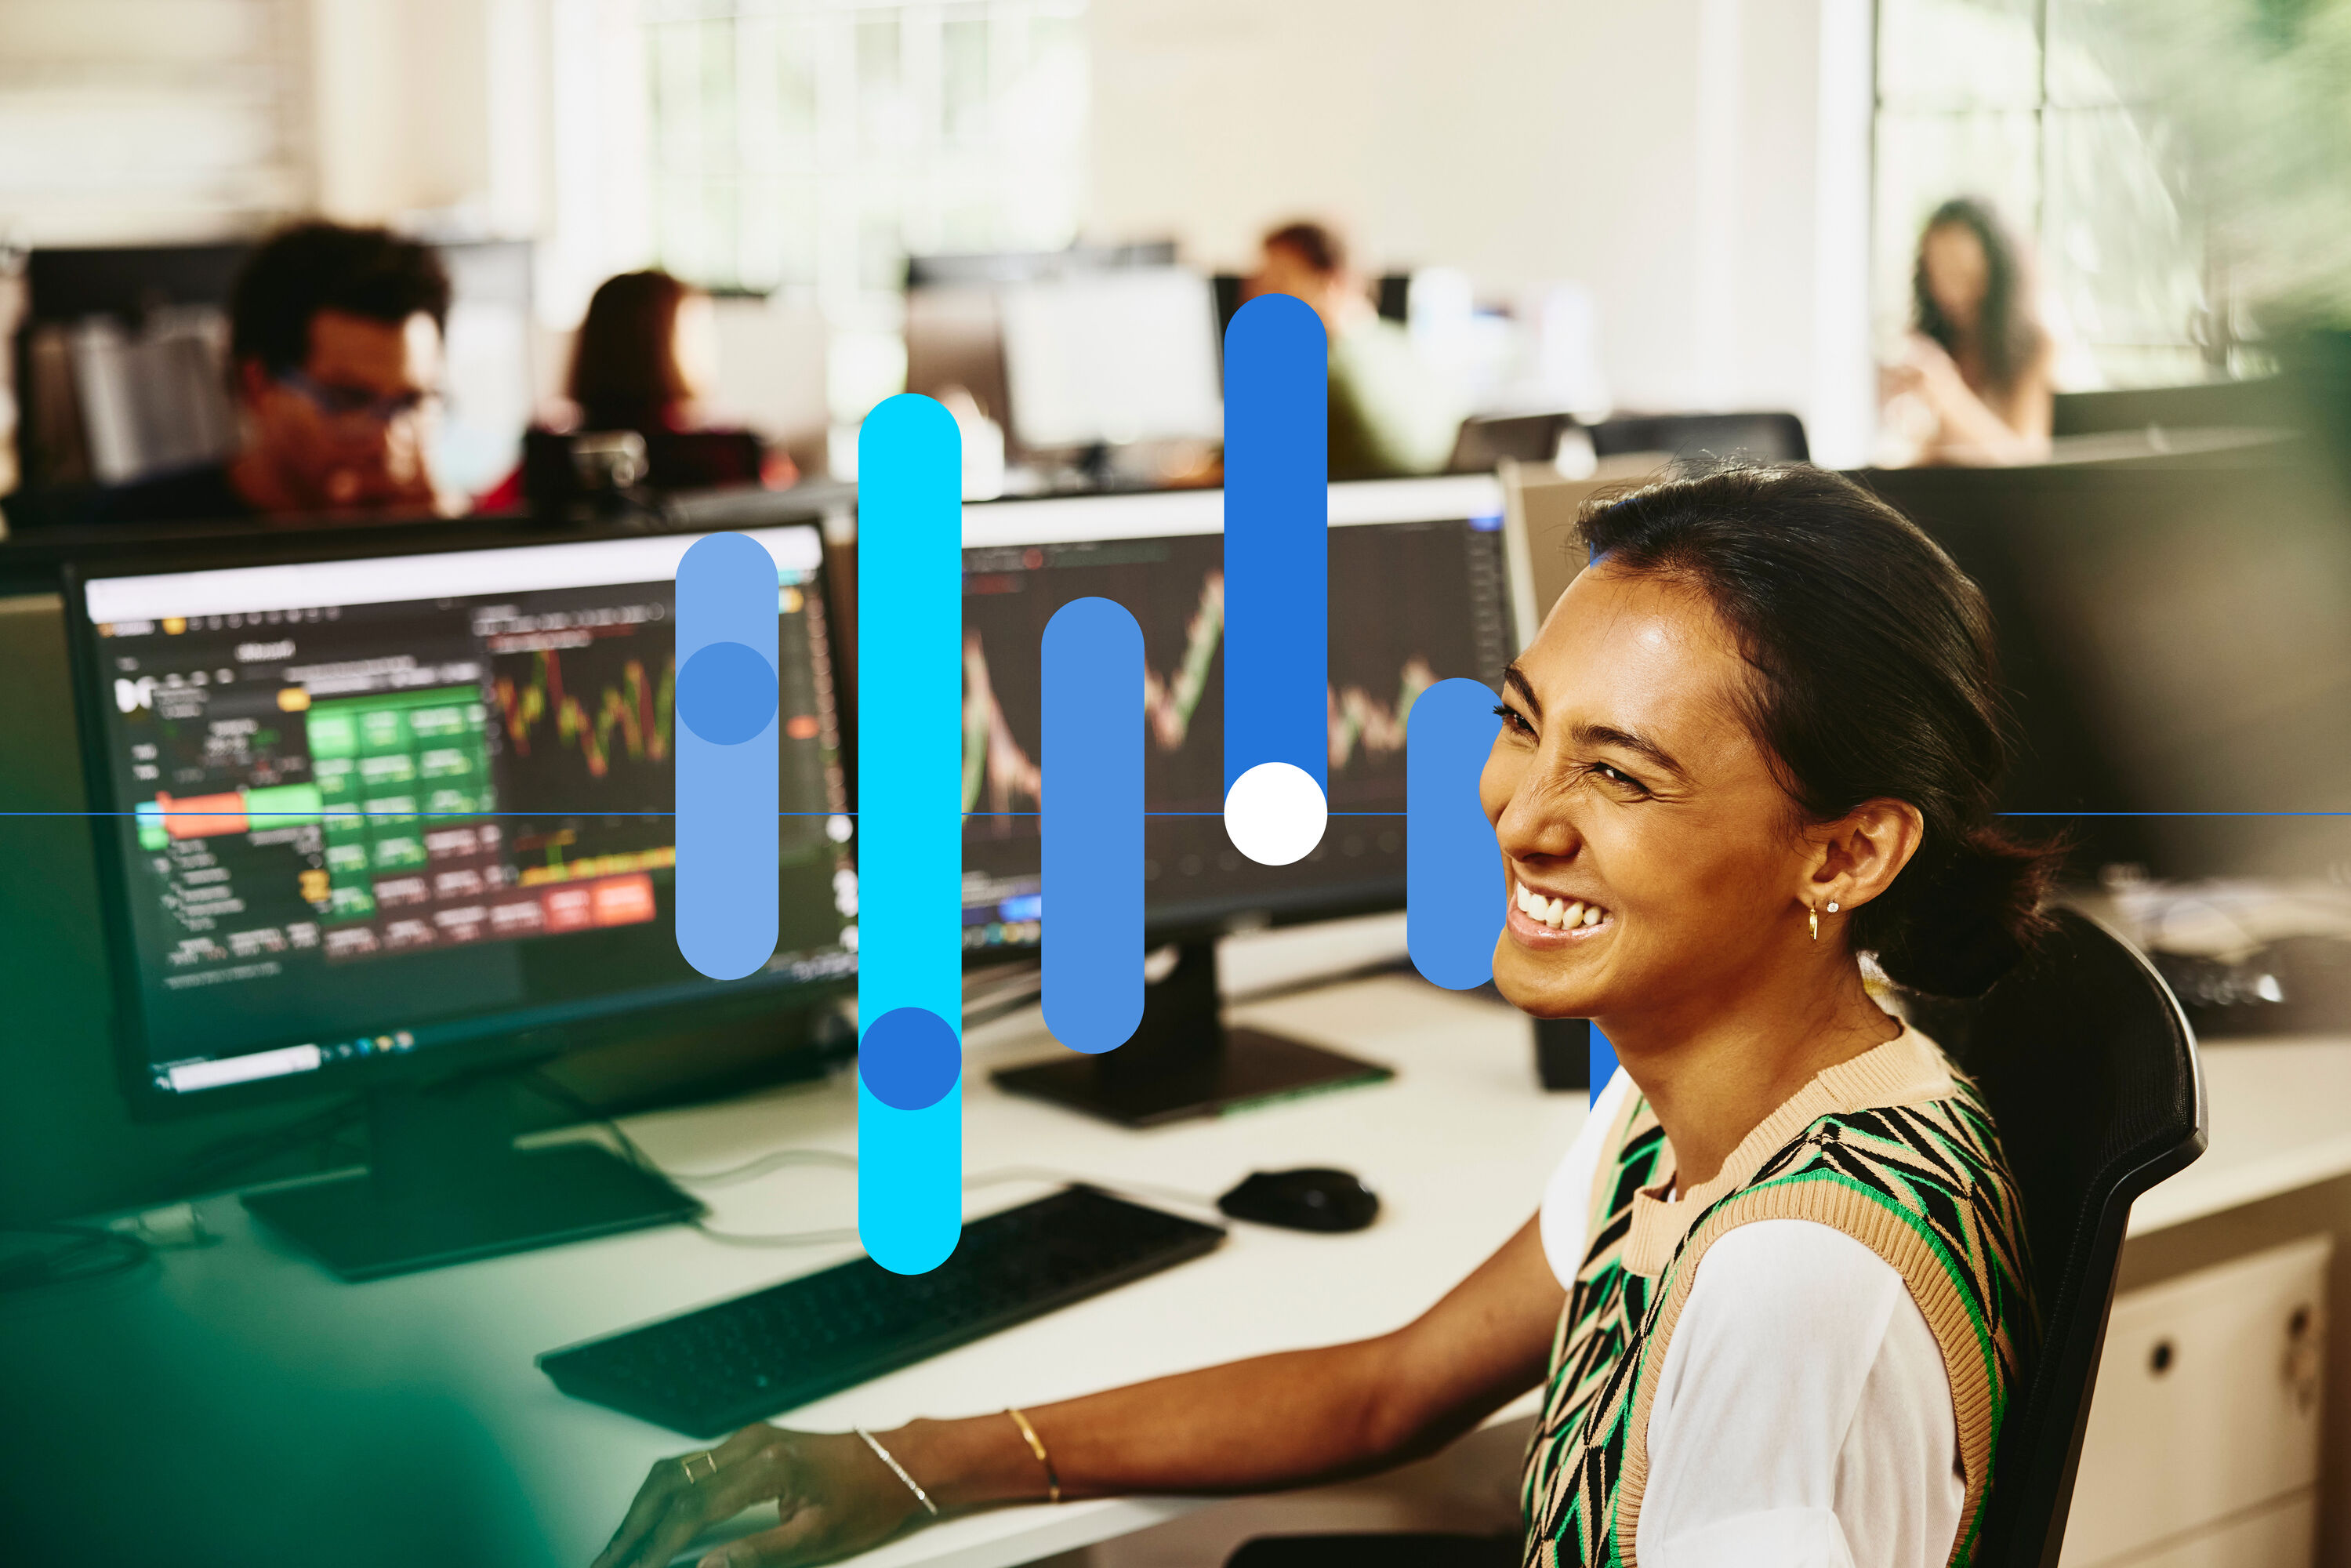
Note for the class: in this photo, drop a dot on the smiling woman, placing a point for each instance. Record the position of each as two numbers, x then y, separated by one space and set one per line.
1774 1292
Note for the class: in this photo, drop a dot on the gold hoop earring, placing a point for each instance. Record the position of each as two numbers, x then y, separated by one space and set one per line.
1816 916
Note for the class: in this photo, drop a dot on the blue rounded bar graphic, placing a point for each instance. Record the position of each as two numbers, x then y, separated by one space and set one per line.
1455 896
1091 824
1277 572
726 586
909 827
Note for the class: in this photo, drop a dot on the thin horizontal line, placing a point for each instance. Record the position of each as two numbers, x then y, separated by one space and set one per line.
2176 813
599 812
160 813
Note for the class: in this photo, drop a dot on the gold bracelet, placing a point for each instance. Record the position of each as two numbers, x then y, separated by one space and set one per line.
1037 1446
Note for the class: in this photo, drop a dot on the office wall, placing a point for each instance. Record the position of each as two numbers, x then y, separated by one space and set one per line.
1701 165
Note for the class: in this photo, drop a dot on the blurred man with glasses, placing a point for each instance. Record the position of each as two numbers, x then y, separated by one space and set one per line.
335 362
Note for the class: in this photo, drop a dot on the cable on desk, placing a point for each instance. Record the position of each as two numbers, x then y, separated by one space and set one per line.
76 1253
548 1087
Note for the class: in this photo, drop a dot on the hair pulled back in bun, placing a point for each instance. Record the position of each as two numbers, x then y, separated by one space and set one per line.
1874 679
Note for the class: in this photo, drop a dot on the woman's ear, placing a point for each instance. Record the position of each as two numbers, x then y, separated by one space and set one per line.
1857 857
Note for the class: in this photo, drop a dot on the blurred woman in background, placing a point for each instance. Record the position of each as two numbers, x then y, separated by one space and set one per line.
646 359
1976 378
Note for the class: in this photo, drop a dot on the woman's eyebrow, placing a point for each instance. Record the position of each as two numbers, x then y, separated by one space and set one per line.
1609 734
1515 679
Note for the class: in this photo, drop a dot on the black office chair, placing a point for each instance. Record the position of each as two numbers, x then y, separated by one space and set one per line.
2090 1069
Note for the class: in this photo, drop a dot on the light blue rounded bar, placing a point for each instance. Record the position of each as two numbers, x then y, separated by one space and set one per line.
726 770
1277 539
910 801
1091 823
1455 895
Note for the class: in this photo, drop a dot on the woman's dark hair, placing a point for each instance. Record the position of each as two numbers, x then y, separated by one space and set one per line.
2008 334
625 369
313 267
1874 679
1316 245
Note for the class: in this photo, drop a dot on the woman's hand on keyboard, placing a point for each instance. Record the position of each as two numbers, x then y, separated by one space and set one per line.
833 1498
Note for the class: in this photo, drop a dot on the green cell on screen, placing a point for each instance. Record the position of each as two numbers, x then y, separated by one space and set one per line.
332 733
348 858
394 767
282 805
446 762
445 721
382 729
389 810
399 852
335 777
353 901
454 804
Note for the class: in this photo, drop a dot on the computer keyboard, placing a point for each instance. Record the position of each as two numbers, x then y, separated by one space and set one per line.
708 1371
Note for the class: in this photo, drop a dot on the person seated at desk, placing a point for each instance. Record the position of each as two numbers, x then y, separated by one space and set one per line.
335 359
1774 1292
646 355
1390 415
1976 383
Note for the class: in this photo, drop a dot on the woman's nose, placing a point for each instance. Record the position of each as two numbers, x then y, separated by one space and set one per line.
1540 820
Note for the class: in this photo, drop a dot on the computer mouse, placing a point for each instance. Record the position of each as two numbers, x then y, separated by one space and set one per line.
1315 1199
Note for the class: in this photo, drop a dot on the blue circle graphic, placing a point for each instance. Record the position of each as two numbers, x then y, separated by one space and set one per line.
727 693
909 1059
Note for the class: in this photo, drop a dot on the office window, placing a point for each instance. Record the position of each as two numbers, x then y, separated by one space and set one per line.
2052 109
812 145
139 120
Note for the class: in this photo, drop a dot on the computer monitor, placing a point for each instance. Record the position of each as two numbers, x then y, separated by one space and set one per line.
1112 357
1417 594
2175 644
389 823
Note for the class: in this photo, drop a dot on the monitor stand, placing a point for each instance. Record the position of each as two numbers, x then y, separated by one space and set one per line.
445 1185
1185 1061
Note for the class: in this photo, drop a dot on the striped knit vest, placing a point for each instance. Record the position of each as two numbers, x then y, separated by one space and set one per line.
1893 1149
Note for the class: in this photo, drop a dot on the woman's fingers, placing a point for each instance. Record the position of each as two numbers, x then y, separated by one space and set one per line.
684 1495
643 1510
786 1544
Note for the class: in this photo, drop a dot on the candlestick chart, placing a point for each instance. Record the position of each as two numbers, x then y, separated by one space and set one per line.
1395 646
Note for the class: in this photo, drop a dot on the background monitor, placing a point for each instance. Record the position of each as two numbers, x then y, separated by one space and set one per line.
381 821
1417 594
2174 643
1112 357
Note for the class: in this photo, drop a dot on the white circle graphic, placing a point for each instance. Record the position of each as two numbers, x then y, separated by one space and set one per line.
1275 813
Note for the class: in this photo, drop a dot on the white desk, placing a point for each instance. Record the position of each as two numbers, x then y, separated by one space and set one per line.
2280 1113
242 1403
244 1406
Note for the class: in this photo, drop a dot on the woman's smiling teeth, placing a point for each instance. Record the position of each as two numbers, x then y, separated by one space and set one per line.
1560 914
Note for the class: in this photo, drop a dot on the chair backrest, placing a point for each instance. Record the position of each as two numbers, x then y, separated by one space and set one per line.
2090 1069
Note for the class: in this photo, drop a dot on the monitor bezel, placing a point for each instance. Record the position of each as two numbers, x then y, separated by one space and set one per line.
128 1024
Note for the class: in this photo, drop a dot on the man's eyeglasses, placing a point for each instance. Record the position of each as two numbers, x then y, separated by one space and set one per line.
352 405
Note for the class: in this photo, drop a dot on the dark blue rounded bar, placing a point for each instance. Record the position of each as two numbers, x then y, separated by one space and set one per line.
909 1059
1091 824
1455 893
1277 532
727 823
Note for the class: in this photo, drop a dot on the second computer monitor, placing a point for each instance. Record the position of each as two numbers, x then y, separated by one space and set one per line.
1416 595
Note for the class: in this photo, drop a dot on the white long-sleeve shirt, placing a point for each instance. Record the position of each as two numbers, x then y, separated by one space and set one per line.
1803 1417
